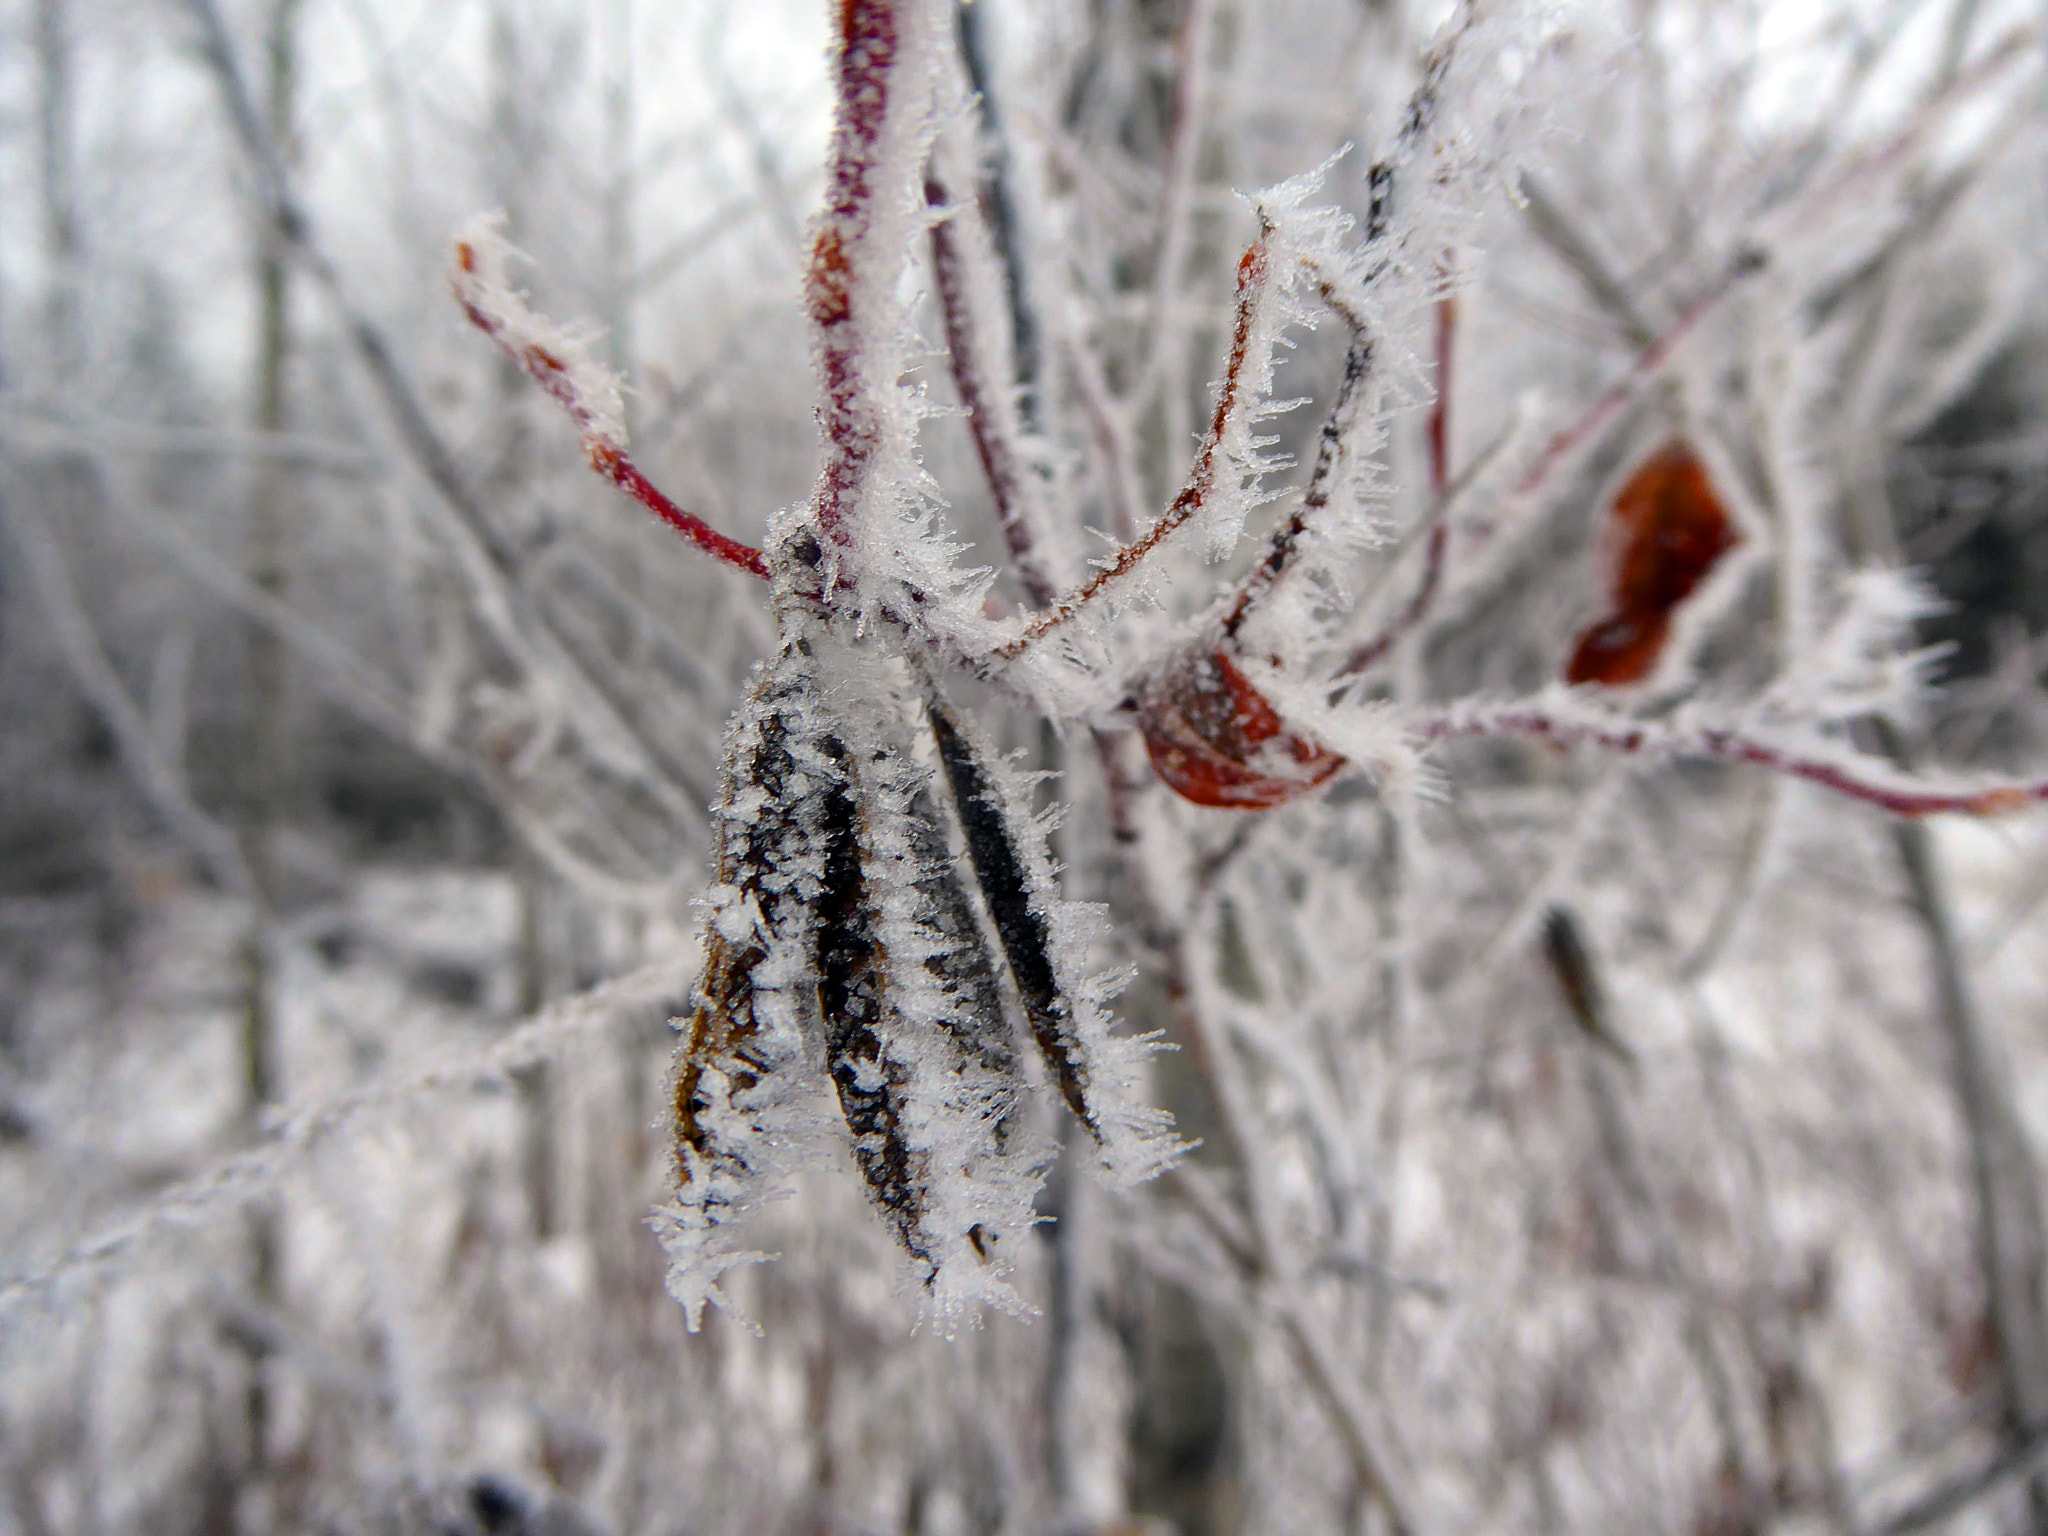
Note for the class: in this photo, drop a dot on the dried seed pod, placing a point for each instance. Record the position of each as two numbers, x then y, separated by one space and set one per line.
1214 739
1671 530
1571 962
860 1020
733 1089
1042 939
962 965
765 866
842 945
1021 923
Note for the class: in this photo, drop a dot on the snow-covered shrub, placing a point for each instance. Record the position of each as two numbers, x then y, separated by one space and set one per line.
1425 642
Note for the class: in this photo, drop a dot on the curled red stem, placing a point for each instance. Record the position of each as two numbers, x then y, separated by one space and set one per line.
607 456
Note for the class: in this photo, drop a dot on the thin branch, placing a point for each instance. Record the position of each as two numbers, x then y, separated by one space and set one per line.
287 1145
1353 405
1169 251
1343 1402
1345 409
985 391
1440 408
1432 531
1250 1243
356 684
487 557
1752 864
840 286
1956 87
1556 229
23 420
589 397
2027 1456
623 473
1649 364
1253 272
1112 439
1847 772
1371 651
1751 260
1001 212
94 672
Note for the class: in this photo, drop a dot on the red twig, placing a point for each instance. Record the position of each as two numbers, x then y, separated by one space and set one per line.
1853 774
1930 114
602 444
1648 364
1112 440
869 39
1440 412
621 471
991 420
1252 272
1329 444
1750 261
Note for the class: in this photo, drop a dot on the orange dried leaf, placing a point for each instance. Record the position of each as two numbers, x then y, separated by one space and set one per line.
1671 530
1621 649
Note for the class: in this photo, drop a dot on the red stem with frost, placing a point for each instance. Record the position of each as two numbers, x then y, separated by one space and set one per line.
1864 779
614 465
607 456
870 34
1440 410
1252 272
982 396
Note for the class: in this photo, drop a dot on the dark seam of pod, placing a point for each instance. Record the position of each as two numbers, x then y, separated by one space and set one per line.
1020 924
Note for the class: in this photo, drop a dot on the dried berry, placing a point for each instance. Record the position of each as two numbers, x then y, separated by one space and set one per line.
1214 739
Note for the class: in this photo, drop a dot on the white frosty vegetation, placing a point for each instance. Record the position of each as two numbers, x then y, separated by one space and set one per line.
842 945
1477 785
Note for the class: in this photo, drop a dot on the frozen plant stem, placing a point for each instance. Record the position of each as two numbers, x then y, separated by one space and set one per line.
1349 408
1004 230
992 418
842 281
570 381
1856 775
1205 479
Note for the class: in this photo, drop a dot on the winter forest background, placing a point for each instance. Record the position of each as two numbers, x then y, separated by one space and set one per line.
1610 1116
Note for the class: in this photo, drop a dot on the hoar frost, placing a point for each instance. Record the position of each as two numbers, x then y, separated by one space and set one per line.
843 951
